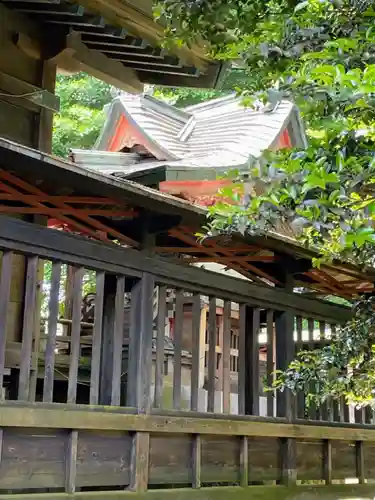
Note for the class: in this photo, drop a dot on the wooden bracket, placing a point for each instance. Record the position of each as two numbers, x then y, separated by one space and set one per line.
18 89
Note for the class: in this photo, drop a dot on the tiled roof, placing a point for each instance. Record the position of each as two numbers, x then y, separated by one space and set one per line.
215 134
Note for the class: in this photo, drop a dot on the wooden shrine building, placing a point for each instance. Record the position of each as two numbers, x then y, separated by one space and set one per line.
84 360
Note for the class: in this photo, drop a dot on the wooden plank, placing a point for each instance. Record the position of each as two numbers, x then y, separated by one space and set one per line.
360 462
97 338
32 459
226 355
177 340
71 463
5 283
309 460
312 411
312 492
160 336
252 357
196 461
220 459
264 459
76 334
195 353
29 238
28 327
271 340
244 462
118 336
242 361
344 460
103 459
211 376
369 460
46 416
53 314
327 461
171 459
139 464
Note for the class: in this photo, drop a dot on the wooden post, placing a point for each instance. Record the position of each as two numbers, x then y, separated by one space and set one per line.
285 402
252 393
139 379
106 362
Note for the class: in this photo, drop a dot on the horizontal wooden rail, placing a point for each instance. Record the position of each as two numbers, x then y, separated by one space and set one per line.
36 240
331 492
56 416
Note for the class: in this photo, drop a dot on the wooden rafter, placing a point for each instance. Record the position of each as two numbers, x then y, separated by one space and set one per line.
79 219
217 253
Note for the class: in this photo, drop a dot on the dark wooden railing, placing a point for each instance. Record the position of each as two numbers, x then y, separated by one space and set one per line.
137 389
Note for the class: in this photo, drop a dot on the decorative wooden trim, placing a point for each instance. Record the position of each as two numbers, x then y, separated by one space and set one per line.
11 185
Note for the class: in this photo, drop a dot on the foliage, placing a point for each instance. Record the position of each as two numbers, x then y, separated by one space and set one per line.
82 98
320 53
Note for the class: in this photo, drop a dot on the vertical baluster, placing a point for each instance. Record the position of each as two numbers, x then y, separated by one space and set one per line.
28 327
177 339
75 334
242 361
325 407
313 410
97 338
53 313
211 355
299 346
327 461
196 461
244 462
270 361
226 355
335 404
118 338
360 462
252 356
160 336
196 352
71 462
5 281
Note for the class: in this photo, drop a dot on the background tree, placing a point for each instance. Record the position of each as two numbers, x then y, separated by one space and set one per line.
321 54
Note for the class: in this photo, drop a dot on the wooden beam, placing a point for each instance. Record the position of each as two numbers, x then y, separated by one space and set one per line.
37 96
32 239
73 56
140 22
331 492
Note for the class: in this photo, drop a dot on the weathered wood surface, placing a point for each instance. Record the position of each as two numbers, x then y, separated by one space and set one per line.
44 416
220 461
25 237
170 459
103 459
333 492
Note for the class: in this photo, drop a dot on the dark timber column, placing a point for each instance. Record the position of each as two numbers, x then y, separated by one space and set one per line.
140 374
106 368
285 402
